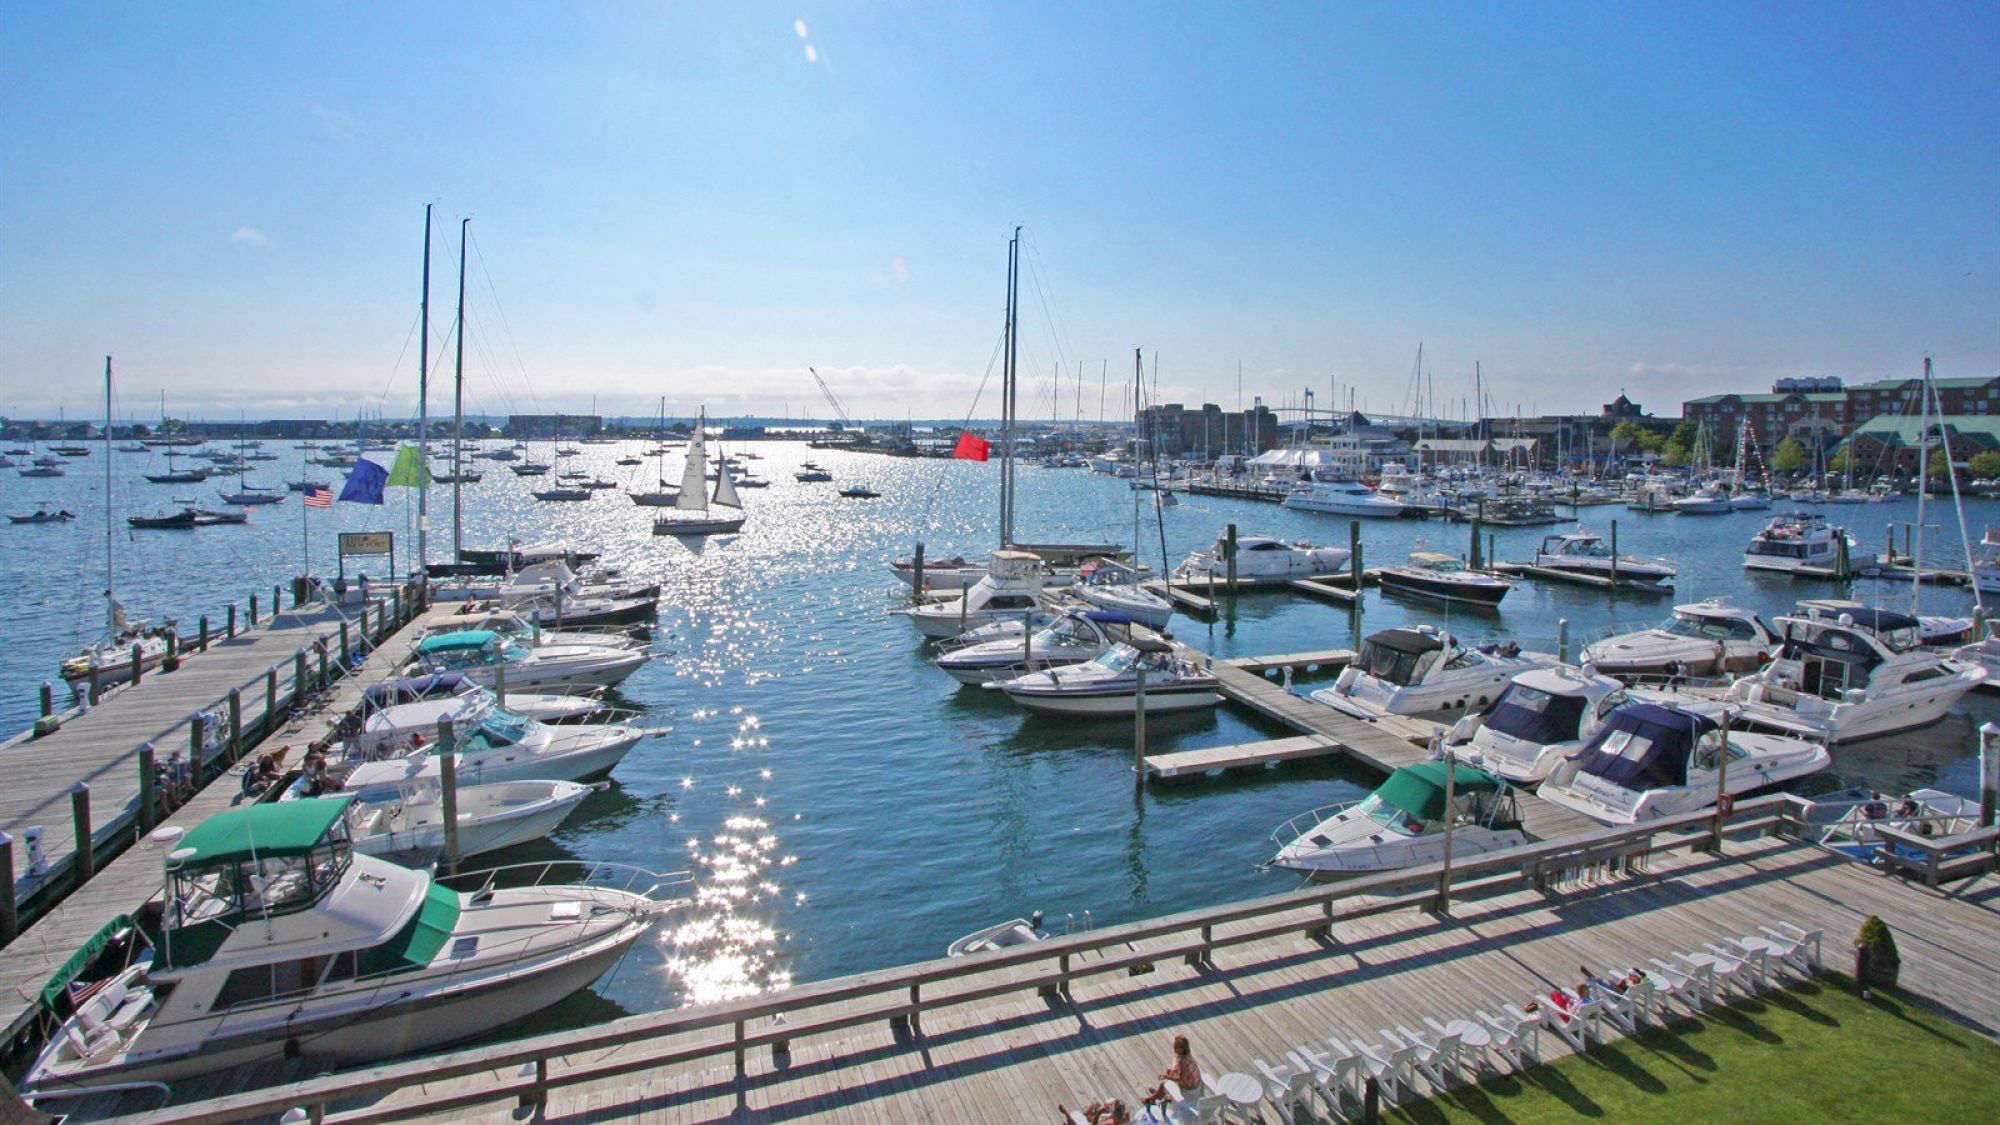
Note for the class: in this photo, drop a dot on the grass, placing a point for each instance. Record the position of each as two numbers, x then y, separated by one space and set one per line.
1814 1052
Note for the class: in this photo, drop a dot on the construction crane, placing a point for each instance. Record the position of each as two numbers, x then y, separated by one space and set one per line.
838 410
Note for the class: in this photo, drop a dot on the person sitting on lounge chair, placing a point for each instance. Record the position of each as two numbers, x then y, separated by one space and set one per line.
1184 1074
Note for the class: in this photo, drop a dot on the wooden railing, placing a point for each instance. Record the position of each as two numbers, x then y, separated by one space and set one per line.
529 1068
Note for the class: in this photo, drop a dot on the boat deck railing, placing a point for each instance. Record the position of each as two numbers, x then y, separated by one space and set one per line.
658 886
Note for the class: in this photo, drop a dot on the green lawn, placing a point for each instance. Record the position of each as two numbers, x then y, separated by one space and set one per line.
1811 1053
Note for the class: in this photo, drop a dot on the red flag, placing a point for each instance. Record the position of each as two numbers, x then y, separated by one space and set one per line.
971 447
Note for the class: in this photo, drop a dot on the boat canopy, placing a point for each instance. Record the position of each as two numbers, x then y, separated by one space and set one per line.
1536 714
1407 640
1419 790
1148 644
458 642
1874 620
1645 745
262 831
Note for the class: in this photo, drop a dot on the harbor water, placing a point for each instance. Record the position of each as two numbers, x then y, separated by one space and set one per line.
845 806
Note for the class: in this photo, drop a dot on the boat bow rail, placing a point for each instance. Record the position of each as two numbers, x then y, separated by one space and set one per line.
663 889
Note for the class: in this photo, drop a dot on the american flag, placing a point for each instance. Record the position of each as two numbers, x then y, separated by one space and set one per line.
319 497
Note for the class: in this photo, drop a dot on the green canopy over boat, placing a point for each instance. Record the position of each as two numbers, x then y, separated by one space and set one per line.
1419 790
458 642
267 831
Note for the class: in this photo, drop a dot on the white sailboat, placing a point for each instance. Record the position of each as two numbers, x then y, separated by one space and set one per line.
695 498
661 496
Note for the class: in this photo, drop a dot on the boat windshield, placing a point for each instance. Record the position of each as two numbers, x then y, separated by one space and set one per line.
1389 816
1537 716
1590 547
1066 633
1117 658
503 728
1710 628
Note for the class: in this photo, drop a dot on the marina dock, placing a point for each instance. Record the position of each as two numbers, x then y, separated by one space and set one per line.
1573 578
1005 1036
1200 597
100 749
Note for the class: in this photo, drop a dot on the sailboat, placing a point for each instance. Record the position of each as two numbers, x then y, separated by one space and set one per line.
694 496
664 497
247 494
111 656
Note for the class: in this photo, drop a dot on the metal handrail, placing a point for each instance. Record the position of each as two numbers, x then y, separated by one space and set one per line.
1053 964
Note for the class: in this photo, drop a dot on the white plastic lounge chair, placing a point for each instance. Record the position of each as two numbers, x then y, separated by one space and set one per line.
1756 960
1794 948
1288 1087
1393 1069
1577 1027
1730 972
1516 1041
1337 1074
1694 988
1437 1057
1202 1109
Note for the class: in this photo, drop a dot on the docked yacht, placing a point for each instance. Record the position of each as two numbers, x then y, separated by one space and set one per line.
479 654
275 939
1260 558
1432 574
1542 716
1341 496
1710 501
1011 586
1061 561
520 627
1108 685
1073 638
407 824
492 743
1585 552
1424 672
1705 638
1650 761
1801 539
1402 823
544 707
1113 586
1856 675
1986 563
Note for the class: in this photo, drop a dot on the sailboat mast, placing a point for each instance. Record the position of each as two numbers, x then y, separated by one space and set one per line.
1007 394
458 410
110 574
424 397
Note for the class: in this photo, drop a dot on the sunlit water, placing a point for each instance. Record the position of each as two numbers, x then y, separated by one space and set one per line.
844 806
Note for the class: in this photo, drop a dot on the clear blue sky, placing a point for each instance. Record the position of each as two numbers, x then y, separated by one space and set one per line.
685 201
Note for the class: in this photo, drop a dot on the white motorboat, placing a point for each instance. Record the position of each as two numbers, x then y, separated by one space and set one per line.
1708 501
479 654
1402 824
1113 586
1749 502
1649 761
1003 935
1541 717
1856 675
1262 558
1109 684
1073 638
540 706
1986 563
394 746
1934 629
275 939
1705 638
1424 672
1342 496
1432 574
1011 586
1062 562
1585 552
523 629
1802 539
408 825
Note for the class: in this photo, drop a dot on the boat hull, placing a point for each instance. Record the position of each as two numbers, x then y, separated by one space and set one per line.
1158 701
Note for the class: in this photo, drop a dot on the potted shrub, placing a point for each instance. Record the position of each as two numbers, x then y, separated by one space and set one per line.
1876 962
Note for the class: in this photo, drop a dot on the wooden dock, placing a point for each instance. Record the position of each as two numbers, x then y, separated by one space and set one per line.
1329 659
1200 596
1005 1036
1572 578
99 748
1214 759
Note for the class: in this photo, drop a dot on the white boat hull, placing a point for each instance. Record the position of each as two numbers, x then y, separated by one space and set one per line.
1115 703
505 815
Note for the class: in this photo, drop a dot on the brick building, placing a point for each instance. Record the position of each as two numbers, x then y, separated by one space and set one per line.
1832 414
1176 431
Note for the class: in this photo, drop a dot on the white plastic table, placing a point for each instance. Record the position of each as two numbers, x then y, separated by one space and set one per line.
1470 1034
1239 1088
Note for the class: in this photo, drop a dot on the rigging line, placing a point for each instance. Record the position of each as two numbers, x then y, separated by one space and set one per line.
506 328
1056 329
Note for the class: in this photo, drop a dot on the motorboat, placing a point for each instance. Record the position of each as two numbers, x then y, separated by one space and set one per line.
43 514
182 520
540 706
1986 563
1262 558
1584 552
1433 574
1402 824
1342 496
394 745
512 558
1111 585
1424 671
524 629
1710 501
1542 716
564 495
1073 638
1062 562
1003 935
1011 586
1856 675
1651 760
1749 502
305 485
1108 685
1706 638
275 939
1796 540
480 654
859 492
407 824
810 473
1934 629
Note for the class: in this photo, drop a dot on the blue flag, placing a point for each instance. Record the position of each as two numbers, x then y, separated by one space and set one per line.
364 483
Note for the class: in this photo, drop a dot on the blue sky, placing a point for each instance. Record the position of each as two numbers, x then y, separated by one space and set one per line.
684 200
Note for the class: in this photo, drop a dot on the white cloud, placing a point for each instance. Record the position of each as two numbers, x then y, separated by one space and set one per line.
812 53
250 236
899 269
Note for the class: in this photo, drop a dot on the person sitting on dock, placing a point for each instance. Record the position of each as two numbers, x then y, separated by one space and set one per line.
261 775
1111 1112
1184 1075
178 780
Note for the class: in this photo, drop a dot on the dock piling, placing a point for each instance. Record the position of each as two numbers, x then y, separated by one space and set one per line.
448 778
1478 563
138 664
1722 799
48 699
346 644
1989 774
1139 725
1614 552
235 725
270 698
917 577
320 647
96 683
149 779
1028 643
500 685
231 634
253 611
197 730
299 688
1354 555
203 645
79 811
1229 549
10 922
277 600
1562 640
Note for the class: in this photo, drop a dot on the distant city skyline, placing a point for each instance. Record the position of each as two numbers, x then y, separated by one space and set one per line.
703 202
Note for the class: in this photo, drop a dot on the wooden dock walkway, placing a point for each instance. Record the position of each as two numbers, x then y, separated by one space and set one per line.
1005 1036
94 748
1573 578
1195 763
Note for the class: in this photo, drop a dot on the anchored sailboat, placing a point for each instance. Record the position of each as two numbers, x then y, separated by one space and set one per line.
695 497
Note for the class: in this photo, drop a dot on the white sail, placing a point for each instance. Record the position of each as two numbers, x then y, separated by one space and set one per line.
694 483
725 488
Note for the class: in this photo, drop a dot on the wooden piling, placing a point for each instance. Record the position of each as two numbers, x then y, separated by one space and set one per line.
448 775
79 812
149 780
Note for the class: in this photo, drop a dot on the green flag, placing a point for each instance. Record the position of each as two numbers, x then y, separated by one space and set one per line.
409 471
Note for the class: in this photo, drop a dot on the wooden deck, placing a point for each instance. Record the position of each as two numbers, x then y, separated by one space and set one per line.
1329 659
157 709
1000 1051
1573 578
1195 763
